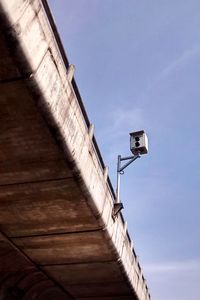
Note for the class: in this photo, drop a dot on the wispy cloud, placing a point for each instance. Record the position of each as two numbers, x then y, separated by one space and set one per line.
177 266
180 61
176 64
123 119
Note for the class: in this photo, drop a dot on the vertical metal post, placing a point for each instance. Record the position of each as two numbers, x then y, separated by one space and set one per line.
118 179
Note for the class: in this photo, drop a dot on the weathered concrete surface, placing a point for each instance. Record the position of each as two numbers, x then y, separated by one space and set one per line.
59 240
20 279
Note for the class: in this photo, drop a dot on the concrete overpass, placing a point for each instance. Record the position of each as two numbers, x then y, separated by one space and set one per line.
58 239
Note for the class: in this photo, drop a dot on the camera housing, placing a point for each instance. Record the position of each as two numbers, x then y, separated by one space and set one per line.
139 142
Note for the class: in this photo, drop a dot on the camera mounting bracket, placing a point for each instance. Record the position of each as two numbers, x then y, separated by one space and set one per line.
118 205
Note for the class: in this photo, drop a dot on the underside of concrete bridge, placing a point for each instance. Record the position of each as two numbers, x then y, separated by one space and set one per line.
58 239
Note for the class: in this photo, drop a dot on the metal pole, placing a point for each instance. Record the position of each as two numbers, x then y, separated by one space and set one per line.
120 171
118 178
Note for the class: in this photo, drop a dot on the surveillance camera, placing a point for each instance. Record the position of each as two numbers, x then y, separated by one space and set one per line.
138 142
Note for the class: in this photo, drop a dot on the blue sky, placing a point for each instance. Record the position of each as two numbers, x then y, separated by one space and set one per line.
138 67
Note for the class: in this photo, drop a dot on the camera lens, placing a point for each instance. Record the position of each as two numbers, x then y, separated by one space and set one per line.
137 138
137 144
